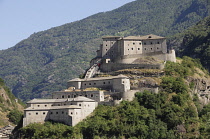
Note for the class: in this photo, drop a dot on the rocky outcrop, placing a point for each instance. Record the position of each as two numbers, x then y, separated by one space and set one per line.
6 132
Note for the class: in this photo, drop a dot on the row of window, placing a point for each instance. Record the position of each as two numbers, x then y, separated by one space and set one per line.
74 96
39 105
95 83
44 113
144 48
151 43
145 43
141 43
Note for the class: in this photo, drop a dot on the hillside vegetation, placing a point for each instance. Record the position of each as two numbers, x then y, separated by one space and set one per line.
11 109
174 112
196 42
46 60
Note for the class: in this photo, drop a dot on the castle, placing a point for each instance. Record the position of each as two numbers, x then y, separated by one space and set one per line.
82 96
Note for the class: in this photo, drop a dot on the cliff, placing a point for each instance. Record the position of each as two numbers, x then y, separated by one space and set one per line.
9 106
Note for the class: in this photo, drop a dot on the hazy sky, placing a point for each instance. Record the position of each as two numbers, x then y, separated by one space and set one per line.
21 18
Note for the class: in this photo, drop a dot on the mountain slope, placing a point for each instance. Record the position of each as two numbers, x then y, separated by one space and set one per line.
9 105
196 42
47 59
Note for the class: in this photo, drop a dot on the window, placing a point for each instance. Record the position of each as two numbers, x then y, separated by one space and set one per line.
62 96
89 83
43 113
106 49
45 105
91 95
94 83
104 83
157 48
145 43
158 42
128 49
150 42
38 105
80 104
68 96
138 48
85 83
71 113
85 95
74 96
62 112
134 43
151 48
56 112
131 48
51 113
145 48
36 113
139 43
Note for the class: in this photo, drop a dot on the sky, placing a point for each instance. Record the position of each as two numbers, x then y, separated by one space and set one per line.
21 18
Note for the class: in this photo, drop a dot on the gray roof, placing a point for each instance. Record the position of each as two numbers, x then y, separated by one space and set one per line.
53 108
146 37
107 37
102 78
79 98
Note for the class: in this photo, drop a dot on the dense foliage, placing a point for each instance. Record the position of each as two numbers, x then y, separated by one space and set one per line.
10 106
172 113
196 42
48 130
47 59
15 116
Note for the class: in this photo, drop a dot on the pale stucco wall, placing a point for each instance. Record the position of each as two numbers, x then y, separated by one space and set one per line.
95 95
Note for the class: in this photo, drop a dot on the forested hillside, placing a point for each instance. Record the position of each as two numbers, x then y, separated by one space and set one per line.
47 59
11 108
196 42
175 112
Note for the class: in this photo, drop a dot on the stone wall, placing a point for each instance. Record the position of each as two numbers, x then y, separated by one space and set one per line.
108 67
95 95
106 83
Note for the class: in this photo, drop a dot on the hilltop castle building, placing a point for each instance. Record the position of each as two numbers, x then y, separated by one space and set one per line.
123 52
83 95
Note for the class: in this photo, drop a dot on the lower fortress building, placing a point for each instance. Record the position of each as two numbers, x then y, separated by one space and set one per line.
74 104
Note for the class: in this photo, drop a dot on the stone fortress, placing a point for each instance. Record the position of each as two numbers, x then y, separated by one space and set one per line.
82 96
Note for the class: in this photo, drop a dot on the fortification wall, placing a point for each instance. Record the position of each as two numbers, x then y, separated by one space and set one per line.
103 83
95 95
108 67
35 116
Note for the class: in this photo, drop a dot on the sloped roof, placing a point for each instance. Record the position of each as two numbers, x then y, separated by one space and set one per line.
132 38
107 37
79 98
146 37
54 107
151 36
102 78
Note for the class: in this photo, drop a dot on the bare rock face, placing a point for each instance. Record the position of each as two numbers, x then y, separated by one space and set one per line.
200 85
